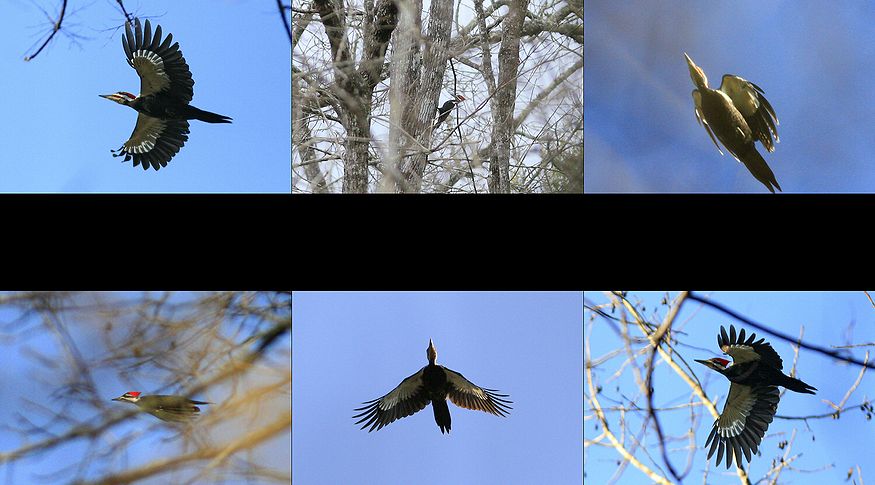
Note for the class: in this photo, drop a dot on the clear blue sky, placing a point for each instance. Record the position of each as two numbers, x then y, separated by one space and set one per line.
353 347
828 447
815 60
56 132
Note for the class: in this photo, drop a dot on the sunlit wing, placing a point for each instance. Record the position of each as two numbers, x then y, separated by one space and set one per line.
407 398
750 100
466 394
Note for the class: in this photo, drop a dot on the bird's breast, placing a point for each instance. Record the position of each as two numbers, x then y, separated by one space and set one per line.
725 119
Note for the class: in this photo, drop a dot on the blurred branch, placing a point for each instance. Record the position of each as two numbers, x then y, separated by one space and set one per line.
56 27
283 8
216 453
196 342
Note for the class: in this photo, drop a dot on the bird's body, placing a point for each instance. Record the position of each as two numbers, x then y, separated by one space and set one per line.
754 374
166 89
739 115
168 108
164 407
444 111
432 384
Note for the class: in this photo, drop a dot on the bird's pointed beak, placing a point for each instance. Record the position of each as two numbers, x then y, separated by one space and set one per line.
103 95
431 352
696 74
701 361
692 65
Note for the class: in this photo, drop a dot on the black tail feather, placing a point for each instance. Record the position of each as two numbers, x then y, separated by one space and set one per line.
193 113
441 414
796 385
760 169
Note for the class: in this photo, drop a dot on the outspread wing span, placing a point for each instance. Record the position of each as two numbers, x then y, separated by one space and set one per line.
743 423
751 349
407 398
160 65
465 394
154 141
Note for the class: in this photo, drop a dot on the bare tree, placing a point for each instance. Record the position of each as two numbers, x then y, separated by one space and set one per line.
534 101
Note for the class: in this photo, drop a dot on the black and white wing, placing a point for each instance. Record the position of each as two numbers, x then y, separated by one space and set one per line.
748 350
160 65
409 397
743 423
466 394
154 141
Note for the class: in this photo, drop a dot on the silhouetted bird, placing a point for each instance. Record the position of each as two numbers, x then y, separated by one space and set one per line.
432 384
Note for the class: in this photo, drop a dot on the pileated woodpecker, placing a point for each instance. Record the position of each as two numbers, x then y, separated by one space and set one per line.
444 110
739 114
432 384
753 396
163 407
165 91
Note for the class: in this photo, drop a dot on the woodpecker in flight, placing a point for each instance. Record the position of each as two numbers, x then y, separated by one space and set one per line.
166 408
444 110
166 89
739 114
753 396
431 384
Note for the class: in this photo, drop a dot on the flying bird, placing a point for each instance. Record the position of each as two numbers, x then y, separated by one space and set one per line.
754 375
739 115
166 89
431 384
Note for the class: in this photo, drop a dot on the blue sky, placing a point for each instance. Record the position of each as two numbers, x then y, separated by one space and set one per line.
828 447
57 133
815 60
353 347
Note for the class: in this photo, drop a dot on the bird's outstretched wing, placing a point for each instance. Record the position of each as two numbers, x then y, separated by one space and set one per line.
154 141
409 397
465 394
160 65
743 423
748 350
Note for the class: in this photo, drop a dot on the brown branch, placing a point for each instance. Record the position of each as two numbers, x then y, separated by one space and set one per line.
668 358
656 340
